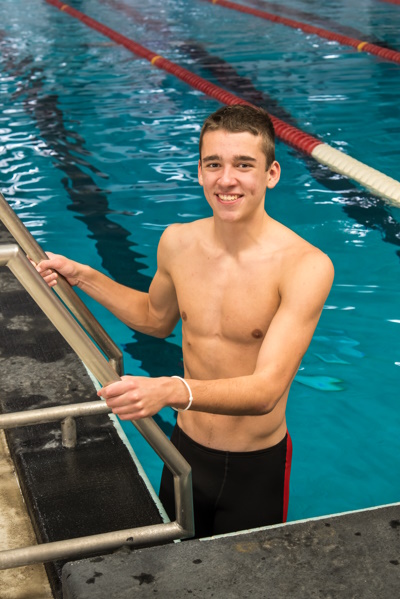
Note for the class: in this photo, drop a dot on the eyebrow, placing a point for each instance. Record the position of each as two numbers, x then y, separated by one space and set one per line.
237 158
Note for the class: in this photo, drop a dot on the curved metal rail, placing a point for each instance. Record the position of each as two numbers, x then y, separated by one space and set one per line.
63 289
13 257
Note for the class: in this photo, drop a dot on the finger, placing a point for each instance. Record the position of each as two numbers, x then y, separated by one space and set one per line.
49 275
128 411
125 383
45 265
53 261
51 282
31 261
120 401
115 389
130 414
44 271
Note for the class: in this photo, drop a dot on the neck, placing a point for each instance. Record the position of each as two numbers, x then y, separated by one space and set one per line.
236 237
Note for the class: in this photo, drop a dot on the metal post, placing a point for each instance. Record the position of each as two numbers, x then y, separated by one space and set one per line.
68 433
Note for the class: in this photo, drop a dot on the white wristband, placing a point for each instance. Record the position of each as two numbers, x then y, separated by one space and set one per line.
190 394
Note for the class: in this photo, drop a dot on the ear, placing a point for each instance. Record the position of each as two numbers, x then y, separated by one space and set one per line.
200 174
274 174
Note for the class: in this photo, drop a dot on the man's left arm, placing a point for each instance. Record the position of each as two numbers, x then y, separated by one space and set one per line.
303 292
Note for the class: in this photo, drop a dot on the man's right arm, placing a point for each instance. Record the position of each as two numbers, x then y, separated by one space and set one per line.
154 313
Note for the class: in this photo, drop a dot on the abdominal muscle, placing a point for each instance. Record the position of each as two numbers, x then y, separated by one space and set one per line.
222 432
233 433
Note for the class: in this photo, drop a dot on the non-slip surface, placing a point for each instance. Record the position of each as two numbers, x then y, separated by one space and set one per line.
353 556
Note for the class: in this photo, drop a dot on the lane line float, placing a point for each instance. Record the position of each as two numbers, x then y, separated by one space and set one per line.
360 45
337 161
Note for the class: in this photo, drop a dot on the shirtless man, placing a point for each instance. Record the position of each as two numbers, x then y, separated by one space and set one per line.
250 293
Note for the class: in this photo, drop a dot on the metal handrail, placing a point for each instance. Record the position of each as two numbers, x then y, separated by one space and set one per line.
183 527
63 289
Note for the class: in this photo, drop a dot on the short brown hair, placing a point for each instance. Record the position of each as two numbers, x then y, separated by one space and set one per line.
239 118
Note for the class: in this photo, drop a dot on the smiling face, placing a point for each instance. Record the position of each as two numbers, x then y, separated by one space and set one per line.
232 171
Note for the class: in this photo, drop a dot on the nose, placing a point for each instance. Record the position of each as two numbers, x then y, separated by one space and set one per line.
227 177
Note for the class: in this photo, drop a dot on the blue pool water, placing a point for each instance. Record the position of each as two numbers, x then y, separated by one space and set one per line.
98 154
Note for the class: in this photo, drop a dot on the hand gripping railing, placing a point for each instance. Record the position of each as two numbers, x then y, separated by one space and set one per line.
183 527
63 289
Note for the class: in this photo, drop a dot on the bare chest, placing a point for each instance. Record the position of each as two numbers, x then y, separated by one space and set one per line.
220 298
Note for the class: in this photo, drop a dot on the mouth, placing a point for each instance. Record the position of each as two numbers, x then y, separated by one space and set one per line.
228 198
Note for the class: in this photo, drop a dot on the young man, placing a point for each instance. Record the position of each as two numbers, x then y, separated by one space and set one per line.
249 292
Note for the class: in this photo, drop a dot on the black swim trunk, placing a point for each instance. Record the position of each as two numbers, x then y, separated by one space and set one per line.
232 491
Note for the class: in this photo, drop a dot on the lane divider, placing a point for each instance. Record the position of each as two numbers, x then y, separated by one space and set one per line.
339 162
360 45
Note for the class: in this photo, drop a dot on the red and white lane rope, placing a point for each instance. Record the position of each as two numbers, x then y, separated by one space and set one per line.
339 162
392 2
360 45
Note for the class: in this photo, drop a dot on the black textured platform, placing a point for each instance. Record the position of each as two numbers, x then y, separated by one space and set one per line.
91 489
353 556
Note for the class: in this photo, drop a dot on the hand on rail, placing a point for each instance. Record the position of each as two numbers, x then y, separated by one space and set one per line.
136 397
56 263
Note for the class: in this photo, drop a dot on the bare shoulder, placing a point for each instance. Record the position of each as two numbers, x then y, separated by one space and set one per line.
316 269
306 269
180 237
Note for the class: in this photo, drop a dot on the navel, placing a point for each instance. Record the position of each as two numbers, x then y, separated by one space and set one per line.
184 316
257 334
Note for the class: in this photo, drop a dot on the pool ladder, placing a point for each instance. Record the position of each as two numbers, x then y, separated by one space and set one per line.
12 256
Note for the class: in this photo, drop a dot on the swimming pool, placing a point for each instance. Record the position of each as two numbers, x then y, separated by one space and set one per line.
98 154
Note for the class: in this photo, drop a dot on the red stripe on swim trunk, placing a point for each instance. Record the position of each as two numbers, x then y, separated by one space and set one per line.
289 451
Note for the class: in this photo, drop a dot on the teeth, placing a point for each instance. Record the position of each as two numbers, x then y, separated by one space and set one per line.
226 198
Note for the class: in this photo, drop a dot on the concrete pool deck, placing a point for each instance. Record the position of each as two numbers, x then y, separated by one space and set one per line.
16 531
350 556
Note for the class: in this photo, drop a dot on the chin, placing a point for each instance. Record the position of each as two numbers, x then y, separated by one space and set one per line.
229 218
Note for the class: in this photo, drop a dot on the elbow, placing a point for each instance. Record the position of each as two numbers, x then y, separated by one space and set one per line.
160 326
152 331
160 333
161 330
155 327
269 391
268 401
266 407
